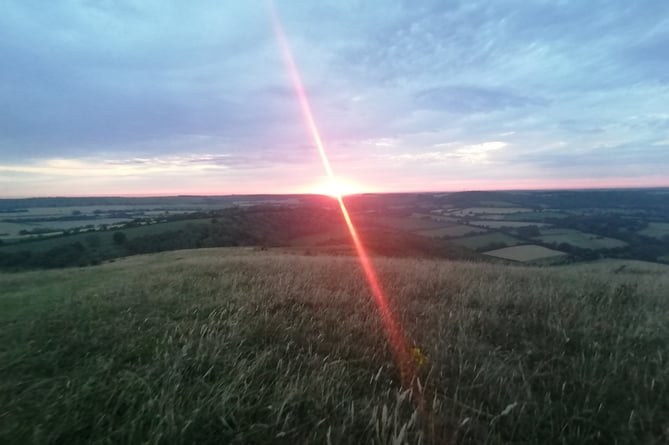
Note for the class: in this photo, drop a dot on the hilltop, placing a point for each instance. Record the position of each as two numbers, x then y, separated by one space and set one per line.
239 345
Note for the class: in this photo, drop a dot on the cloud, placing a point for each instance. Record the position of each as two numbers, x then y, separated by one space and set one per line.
194 163
151 84
475 153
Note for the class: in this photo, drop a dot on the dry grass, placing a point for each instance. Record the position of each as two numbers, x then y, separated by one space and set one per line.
238 346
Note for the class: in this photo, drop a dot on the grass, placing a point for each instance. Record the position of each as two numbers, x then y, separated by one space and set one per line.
579 239
616 266
240 346
527 252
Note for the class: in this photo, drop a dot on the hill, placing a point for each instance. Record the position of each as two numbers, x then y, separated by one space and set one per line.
239 345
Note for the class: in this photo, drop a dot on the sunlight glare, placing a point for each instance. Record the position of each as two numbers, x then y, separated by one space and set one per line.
394 332
336 188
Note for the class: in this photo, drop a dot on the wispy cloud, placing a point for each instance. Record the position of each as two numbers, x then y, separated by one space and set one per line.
476 153
117 167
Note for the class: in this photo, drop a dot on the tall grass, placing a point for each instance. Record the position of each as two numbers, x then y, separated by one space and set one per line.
232 346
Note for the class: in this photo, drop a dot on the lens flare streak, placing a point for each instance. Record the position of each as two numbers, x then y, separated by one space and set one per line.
396 337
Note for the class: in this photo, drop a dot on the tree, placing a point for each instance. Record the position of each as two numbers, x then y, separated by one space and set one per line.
528 232
119 238
93 240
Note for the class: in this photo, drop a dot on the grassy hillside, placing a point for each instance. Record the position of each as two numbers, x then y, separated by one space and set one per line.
243 346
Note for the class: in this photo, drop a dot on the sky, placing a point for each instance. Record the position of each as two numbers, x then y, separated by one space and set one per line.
155 97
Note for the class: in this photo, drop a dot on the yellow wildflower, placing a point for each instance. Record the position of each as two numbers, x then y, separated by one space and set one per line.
418 357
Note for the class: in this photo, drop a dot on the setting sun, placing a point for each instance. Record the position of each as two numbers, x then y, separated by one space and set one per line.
337 188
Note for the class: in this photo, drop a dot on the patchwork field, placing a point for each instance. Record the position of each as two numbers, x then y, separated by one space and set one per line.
528 252
579 239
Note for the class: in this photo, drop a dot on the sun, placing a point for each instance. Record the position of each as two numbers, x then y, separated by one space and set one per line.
336 188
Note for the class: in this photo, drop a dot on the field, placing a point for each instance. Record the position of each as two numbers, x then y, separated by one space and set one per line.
105 237
241 346
59 219
487 239
499 224
579 239
536 216
656 230
11 230
625 224
488 210
450 231
74 213
528 252
409 223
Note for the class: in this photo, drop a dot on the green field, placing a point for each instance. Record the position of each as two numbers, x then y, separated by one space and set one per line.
10 230
536 216
480 241
56 226
408 223
527 252
450 231
240 346
656 230
500 224
579 239
105 237
470 211
96 215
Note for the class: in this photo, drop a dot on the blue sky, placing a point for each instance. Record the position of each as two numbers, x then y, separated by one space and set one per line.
157 97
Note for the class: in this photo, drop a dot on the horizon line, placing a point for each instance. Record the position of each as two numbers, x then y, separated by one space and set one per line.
213 195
